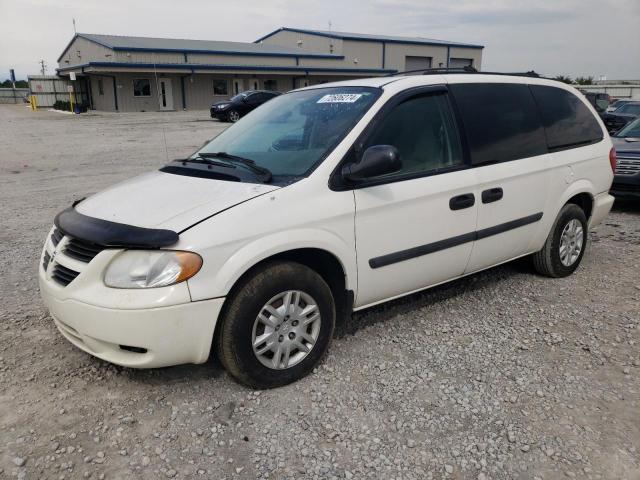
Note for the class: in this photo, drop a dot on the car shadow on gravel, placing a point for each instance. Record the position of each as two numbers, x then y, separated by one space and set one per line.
178 375
431 296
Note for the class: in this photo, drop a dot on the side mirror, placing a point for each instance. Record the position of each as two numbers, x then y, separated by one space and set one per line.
376 160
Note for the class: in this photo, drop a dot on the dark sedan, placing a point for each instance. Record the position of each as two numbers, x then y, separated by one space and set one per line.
626 182
237 107
614 121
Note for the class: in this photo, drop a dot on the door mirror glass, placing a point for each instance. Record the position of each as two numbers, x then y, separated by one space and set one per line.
376 160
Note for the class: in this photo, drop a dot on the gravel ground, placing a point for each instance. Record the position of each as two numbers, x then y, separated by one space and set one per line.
504 374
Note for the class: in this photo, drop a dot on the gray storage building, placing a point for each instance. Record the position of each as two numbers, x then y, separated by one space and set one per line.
149 74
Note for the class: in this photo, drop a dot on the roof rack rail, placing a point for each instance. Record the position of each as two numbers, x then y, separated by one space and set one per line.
467 69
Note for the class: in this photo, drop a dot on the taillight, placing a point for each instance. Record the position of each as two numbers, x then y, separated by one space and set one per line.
612 159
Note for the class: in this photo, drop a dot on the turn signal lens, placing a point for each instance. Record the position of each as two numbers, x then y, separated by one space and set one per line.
612 159
151 268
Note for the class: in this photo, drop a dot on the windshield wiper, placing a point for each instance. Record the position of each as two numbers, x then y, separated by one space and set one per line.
200 159
264 173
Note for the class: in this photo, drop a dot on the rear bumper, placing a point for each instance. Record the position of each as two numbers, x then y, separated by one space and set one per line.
602 204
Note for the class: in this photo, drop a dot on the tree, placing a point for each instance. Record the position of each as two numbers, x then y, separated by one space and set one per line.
584 80
19 84
563 78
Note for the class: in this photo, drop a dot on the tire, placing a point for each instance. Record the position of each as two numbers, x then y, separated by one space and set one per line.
240 325
549 261
233 116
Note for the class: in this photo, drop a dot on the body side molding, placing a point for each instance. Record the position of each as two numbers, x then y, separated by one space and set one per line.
408 254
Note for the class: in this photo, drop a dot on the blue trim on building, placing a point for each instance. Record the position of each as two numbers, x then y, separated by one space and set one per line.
196 51
227 52
194 66
372 39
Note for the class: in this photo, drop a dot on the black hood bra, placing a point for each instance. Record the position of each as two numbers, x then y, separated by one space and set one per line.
112 234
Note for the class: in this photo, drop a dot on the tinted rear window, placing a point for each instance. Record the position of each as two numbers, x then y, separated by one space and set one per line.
501 121
566 119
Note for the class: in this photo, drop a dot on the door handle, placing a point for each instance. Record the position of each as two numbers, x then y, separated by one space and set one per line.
492 195
459 202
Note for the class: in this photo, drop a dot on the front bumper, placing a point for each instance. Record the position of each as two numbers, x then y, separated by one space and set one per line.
219 114
144 328
626 186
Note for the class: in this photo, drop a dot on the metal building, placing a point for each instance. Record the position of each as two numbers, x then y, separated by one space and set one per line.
149 74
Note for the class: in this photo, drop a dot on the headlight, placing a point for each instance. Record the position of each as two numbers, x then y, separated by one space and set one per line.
151 268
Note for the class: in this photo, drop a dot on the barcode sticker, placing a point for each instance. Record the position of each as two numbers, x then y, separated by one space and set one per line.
340 98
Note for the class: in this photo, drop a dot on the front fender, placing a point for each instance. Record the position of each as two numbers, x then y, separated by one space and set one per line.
248 255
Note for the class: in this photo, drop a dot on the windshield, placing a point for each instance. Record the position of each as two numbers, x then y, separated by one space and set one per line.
631 130
239 96
292 133
632 108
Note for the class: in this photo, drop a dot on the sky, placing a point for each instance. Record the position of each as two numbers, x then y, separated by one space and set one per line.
552 37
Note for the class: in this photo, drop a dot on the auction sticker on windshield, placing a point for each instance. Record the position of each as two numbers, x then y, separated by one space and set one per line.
340 98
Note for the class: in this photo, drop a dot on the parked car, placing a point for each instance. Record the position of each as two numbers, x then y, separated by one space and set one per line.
626 182
324 201
600 101
614 121
241 104
617 104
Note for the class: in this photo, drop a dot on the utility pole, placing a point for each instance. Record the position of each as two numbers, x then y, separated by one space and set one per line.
43 67
74 26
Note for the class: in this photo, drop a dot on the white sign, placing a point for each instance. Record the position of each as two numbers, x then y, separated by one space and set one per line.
340 98
70 88
72 76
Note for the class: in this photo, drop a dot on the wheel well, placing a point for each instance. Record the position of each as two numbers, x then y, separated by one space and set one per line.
584 201
322 262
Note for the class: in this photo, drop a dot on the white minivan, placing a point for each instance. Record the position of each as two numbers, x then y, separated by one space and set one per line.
323 201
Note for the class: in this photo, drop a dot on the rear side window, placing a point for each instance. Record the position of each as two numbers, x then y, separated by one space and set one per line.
566 119
501 121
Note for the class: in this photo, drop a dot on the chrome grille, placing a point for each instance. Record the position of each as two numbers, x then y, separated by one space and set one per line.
63 275
81 250
627 166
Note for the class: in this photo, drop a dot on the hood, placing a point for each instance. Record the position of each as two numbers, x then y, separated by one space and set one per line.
626 145
221 104
164 200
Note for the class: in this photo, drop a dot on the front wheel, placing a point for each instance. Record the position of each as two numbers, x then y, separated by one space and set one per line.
562 252
233 116
277 326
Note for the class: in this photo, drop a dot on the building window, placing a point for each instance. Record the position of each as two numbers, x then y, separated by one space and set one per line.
141 87
100 87
271 85
220 87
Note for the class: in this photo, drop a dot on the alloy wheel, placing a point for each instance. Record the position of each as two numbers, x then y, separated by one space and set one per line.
286 329
571 242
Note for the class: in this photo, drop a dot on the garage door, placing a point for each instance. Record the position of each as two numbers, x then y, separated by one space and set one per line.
417 63
460 62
